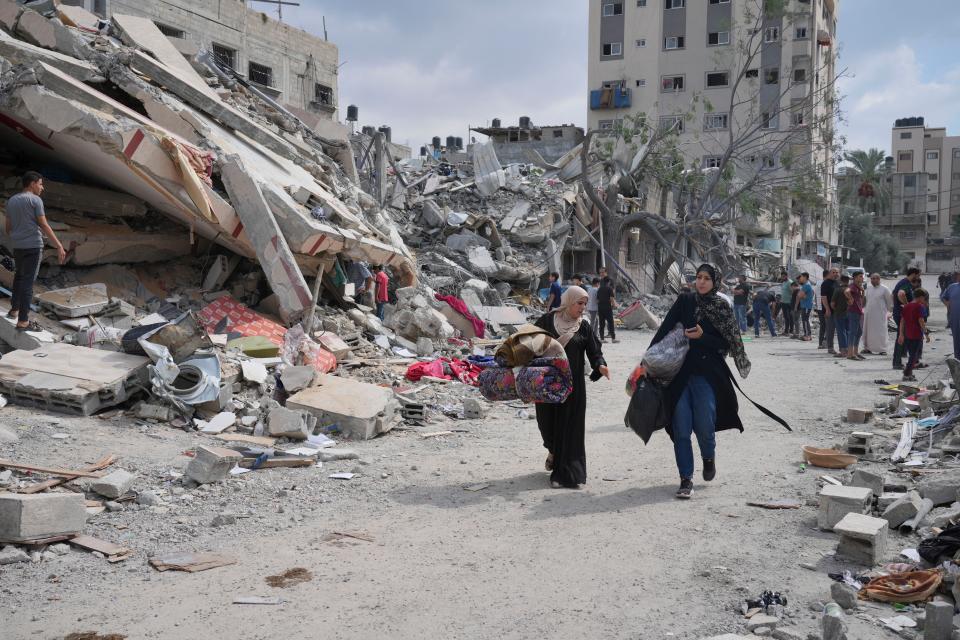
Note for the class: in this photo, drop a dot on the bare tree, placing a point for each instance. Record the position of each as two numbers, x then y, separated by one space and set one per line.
744 178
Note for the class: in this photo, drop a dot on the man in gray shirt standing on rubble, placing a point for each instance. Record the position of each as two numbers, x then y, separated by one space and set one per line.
25 226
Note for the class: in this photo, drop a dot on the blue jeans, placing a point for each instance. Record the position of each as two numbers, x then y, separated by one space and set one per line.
696 412
380 306
854 329
763 311
740 311
840 323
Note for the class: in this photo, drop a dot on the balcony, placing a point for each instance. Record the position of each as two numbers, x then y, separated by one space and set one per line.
913 219
610 98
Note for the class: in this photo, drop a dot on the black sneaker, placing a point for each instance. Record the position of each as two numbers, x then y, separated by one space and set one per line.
685 490
709 469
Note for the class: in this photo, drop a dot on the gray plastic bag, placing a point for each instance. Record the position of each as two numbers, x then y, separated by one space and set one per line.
664 359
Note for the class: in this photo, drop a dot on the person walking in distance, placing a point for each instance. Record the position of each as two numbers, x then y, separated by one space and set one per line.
951 298
762 300
741 297
556 291
25 226
605 304
592 308
855 316
903 294
913 328
827 324
381 282
804 297
839 308
879 304
786 304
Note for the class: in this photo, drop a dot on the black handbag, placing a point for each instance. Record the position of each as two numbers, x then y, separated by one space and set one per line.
647 411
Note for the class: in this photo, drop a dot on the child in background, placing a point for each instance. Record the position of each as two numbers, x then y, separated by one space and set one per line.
913 327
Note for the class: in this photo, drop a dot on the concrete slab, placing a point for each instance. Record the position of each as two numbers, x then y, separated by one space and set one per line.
9 13
361 410
75 302
70 379
19 52
78 17
502 315
25 517
274 254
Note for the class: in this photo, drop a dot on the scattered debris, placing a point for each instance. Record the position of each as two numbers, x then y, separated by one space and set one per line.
190 562
289 578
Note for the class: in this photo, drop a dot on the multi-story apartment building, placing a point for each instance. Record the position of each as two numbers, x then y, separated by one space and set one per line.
678 61
294 67
925 194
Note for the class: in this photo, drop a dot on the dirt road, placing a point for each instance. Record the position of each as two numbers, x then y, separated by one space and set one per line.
620 558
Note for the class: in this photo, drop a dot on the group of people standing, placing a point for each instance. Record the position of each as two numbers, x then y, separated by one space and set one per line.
601 301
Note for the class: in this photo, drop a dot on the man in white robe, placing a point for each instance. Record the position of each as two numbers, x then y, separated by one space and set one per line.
879 303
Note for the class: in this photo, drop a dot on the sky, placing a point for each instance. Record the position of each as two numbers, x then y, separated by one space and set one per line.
435 68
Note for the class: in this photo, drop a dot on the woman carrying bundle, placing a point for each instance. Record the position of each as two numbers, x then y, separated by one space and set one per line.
562 425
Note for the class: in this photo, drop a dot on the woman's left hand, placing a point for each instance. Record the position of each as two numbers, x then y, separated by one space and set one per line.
694 333
604 371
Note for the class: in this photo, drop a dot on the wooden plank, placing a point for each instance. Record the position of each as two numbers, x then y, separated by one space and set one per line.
53 471
274 463
95 544
102 463
264 441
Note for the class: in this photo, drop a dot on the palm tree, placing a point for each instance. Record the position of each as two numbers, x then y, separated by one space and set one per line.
869 190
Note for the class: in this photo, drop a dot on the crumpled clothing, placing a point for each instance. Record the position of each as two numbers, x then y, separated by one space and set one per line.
458 305
527 343
913 586
544 380
446 369
945 544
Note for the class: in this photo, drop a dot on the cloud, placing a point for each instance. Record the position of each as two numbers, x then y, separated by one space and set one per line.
890 84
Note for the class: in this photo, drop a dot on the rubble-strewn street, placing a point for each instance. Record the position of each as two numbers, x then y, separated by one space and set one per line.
459 534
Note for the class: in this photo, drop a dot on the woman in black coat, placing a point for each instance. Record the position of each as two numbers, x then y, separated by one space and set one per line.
701 398
563 425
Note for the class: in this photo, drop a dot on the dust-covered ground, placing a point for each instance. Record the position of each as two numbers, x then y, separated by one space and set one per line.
621 558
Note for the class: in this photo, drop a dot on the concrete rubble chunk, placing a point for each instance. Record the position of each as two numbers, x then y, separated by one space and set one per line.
219 423
940 488
288 423
844 595
296 378
13 555
938 624
361 410
474 409
903 509
37 516
114 484
864 478
212 464
334 454
863 539
762 620
274 254
334 344
837 501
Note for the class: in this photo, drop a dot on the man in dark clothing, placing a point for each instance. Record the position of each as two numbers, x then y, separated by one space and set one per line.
902 295
827 325
741 296
605 304
26 224
762 301
553 298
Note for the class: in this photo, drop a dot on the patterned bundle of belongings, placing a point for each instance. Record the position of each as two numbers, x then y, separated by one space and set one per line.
530 366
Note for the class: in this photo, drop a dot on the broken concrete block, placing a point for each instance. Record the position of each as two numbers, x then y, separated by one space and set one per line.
863 539
940 488
296 378
844 595
253 371
838 501
9 13
938 623
431 215
212 464
13 555
334 344
114 484
474 409
25 517
432 323
147 411
424 347
872 481
903 509
859 416
860 443
361 410
273 253
288 423
762 620
333 454
219 423
884 500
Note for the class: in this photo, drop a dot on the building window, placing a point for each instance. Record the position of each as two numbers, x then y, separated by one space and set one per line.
613 9
768 120
673 124
676 4
718 79
642 42
910 182
719 1
905 155
322 94
673 42
613 49
932 155
955 197
800 33
771 76
641 3
224 56
715 121
170 32
956 177
260 74
605 125
932 198
956 153
558 133
718 38
771 34
799 75
671 84
751 73
908 235
711 162
768 162
933 177
906 135
797 118
641 82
